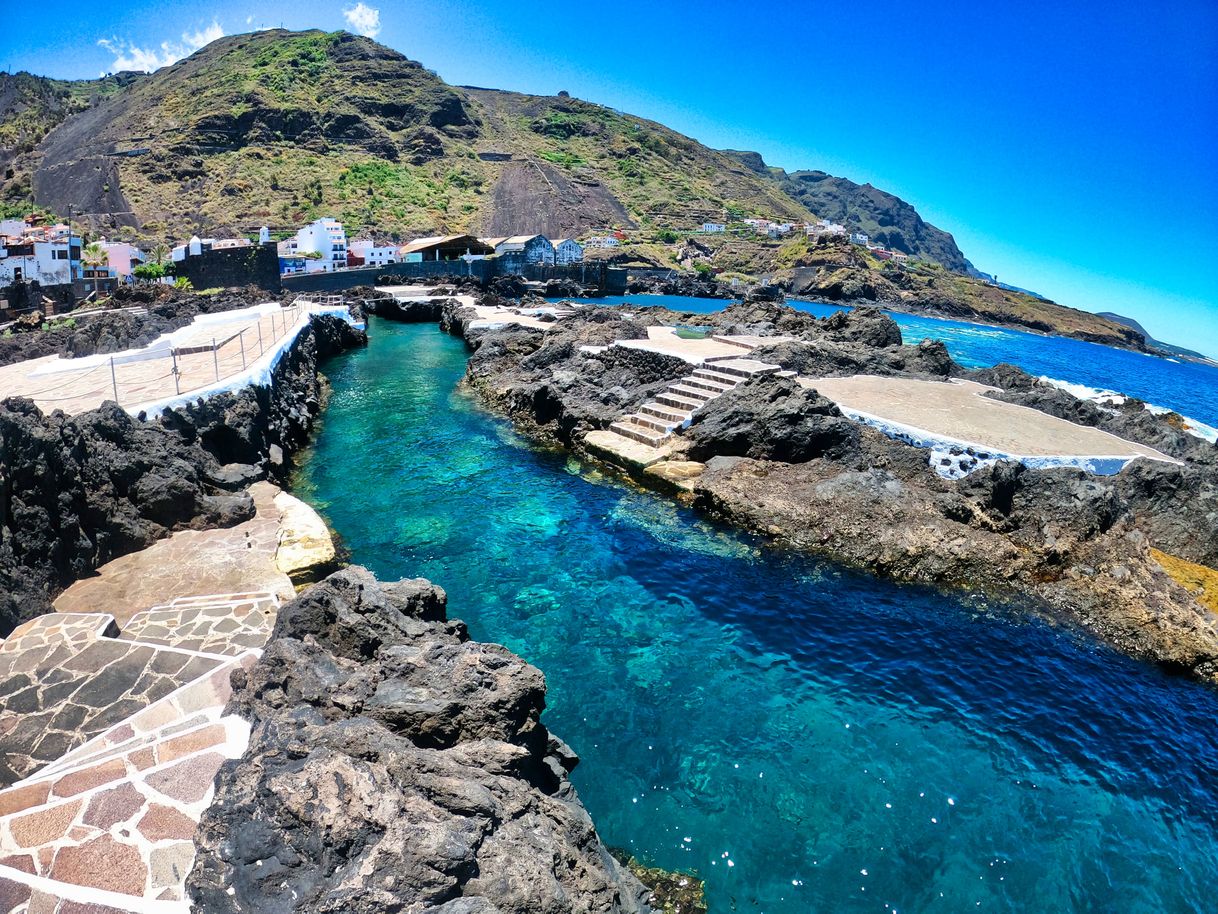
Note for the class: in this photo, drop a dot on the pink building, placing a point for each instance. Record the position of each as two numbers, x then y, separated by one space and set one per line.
123 257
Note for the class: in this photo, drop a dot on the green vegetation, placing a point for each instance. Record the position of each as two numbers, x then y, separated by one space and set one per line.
151 271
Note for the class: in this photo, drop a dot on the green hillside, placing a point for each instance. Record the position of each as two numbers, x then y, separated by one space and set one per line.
276 127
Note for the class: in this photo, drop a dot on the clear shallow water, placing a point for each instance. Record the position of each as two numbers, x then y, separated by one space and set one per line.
806 739
1186 387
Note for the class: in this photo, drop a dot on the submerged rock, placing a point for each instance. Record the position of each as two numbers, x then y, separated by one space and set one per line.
396 765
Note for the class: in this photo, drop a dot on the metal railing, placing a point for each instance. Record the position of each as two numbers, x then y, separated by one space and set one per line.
137 379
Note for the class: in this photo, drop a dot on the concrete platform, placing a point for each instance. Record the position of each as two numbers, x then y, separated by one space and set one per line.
665 340
249 342
622 450
229 560
956 412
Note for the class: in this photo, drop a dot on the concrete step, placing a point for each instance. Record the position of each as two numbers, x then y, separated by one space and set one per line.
714 387
215 628
109 826
678 402
666 413
655 423
683 389
712 374
639 433
73 629
742 368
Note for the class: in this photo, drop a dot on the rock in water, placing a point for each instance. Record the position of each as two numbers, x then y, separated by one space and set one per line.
396 765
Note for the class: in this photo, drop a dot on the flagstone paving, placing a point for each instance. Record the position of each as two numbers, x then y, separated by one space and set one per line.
230 560
112 723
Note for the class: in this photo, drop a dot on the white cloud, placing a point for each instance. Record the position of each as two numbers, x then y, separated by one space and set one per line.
249 20
128 56
363 19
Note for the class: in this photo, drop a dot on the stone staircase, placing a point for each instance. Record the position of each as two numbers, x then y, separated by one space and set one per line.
137 716
672 409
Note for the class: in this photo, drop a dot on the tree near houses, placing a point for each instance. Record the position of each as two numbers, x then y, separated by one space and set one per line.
94 255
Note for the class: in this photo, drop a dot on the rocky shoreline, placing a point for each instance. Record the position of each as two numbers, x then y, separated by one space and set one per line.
779 459
377 721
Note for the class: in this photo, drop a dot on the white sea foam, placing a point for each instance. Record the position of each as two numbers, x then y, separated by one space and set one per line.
952 458
1103 397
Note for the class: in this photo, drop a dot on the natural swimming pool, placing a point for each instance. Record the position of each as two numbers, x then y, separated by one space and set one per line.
805 738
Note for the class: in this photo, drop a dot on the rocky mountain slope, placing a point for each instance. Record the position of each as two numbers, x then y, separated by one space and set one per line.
279 127
887 219
30 108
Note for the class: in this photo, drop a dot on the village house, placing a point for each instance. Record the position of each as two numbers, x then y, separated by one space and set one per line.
602 241
526 248
323 244
860 238
366 252
40 256
826 227
713 228
568 251
122 257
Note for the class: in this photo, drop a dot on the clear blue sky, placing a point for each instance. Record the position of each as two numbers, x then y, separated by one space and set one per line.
1071 148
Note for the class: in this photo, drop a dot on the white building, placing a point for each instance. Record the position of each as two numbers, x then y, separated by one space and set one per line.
567 251
860 237
47 262
323 241
607 241
825 227
372 254
713 228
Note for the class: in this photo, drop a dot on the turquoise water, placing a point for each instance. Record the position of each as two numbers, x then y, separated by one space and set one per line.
805 738
1186 387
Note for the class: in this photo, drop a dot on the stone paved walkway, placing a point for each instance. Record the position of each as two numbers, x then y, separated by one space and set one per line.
231 560
112 723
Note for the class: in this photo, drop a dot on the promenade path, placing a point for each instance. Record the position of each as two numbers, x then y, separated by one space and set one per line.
137 376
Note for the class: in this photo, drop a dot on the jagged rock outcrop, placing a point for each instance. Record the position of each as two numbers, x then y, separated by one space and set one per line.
396 765
79 491
771 419
776 458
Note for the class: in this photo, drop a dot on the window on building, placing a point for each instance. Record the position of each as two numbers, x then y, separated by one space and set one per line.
59 255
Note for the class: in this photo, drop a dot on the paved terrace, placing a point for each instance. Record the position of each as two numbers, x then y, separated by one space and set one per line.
213 353
112 711
957 412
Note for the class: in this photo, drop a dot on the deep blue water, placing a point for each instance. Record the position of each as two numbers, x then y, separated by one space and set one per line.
805 738
1187 387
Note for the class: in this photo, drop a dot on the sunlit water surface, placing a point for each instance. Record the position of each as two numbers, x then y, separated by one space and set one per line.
805 738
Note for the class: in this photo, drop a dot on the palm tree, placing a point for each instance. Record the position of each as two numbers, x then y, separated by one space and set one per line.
159 253
94 255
